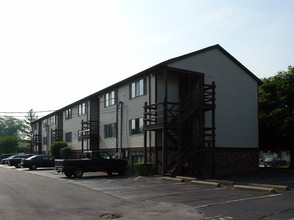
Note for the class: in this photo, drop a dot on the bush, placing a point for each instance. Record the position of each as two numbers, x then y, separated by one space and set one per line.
139 167
66 153
8 144
55 149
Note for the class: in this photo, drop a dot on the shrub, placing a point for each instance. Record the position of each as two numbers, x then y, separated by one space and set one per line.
66 153
8 144
139 167
55 149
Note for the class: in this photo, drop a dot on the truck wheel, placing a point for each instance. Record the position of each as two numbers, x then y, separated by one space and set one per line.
68 174
33 167
78 172
122 171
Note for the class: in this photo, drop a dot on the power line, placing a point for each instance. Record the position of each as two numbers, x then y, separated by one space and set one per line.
26 112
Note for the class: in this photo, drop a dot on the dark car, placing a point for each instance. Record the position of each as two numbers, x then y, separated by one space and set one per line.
4 161
4 156
274 162
15 161
37 161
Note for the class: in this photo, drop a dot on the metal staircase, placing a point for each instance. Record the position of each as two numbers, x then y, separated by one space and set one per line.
177 122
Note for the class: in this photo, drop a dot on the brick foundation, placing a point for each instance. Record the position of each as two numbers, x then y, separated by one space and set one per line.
229 161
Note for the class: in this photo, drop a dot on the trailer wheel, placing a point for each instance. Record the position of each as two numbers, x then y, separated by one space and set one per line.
78 172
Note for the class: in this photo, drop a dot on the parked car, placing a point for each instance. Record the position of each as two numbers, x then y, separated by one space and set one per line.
274 162
36 161
4 161
4 156
15 161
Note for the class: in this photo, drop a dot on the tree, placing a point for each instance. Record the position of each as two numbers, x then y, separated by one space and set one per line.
27 128
10 126
276 113
9 134
8 144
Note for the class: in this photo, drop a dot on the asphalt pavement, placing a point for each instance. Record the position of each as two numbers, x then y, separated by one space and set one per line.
136 197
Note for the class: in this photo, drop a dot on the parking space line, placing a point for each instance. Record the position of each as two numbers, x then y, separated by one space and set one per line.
154 195
237 200
137 178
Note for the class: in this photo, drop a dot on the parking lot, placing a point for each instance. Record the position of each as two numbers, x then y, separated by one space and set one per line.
214 202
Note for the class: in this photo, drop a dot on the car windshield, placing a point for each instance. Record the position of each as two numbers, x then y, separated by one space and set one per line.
18 156
29 158
269 159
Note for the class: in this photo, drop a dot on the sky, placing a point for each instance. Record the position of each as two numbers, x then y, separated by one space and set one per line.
53 53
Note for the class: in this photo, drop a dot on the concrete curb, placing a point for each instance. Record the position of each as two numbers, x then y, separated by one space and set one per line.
278 187
171 178
206 183
223 182
218 183
259 188
185 178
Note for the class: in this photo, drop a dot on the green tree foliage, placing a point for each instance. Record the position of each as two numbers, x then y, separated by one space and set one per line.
55 148
27 128
8 144
66 153
10 126
9 134
276 112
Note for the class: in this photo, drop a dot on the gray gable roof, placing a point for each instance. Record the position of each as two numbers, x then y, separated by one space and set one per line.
157 67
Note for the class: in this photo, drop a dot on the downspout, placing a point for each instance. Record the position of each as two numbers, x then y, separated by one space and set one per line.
118 138
116 131
121 126
149 88
88 108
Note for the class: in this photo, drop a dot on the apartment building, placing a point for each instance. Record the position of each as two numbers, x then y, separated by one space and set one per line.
196 114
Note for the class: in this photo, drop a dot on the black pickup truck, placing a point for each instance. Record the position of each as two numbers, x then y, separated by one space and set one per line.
91 161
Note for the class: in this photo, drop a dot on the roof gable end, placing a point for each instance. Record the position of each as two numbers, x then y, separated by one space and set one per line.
217 46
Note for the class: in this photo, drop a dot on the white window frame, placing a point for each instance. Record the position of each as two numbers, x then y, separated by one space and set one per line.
138 88
110 98
68 114
136 126
82 109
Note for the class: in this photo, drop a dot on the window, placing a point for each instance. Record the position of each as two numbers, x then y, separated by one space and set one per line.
68 136
45 141
138 159
110 98
104 155
68 114
45 158
82 109
136 126
110 130
45 123
79 135
138 88
53 120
